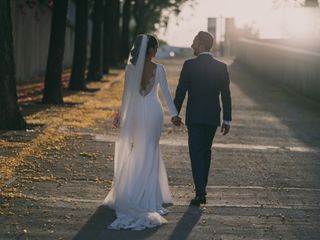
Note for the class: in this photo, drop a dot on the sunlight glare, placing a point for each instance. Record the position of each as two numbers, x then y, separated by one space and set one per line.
284 21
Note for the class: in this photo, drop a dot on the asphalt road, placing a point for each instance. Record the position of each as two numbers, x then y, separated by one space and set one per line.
264 181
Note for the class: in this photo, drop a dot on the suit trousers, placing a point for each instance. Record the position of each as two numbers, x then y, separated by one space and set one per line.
200 141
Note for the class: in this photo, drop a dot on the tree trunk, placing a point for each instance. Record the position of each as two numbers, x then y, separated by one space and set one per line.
107 21
139 12
311 3
140 28
77 80
10 115
95 65
125 36
115 30
53 86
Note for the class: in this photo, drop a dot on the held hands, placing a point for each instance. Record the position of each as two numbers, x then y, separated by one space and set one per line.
116 120
225 128
176 120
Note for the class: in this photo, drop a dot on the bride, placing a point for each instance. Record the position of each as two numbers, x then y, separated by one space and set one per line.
140 184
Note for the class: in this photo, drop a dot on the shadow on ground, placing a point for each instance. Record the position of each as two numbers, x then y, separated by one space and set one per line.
96 228
186 224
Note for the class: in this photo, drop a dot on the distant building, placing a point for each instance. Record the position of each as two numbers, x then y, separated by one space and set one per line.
212 26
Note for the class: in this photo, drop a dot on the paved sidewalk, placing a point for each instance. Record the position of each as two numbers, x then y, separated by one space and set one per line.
263 184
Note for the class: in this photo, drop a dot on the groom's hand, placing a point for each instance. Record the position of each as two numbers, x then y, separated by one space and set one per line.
176 120
225 128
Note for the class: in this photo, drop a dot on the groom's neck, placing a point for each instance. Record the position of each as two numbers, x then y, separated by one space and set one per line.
201 50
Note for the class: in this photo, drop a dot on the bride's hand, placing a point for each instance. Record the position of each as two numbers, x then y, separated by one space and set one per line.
116 120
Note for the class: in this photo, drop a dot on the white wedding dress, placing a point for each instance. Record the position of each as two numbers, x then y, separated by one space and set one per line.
140 184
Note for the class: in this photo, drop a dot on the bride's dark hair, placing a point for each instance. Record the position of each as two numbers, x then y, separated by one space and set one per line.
152 43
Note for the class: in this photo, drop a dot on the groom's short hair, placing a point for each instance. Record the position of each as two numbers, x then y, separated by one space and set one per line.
205 39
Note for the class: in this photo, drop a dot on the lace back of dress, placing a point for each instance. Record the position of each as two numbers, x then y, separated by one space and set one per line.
145 91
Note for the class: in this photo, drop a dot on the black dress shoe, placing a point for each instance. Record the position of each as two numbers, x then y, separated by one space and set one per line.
198 200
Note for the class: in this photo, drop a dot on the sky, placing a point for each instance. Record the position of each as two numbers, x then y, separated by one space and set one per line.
261 13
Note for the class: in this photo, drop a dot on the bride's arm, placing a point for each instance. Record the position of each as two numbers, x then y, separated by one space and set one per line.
166 93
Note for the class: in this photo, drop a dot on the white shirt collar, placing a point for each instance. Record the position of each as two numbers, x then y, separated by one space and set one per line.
205 53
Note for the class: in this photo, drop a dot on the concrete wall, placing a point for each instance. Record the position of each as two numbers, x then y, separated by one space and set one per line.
31 41
292 67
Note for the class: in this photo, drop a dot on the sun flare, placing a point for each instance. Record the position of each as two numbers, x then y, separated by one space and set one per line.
270 20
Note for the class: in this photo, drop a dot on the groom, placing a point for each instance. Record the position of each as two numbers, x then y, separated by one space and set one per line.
204 78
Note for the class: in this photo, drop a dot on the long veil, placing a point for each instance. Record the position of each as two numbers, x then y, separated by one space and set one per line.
131 101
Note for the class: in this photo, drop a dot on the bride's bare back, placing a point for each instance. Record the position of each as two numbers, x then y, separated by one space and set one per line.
148 74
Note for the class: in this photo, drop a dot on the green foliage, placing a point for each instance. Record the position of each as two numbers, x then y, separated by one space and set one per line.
151 14
34 6
22 4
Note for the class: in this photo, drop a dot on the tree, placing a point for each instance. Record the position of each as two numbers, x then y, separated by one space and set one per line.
301 3
95 65
10 115
139 12
107 26
311 3
111 43
125 36
149 12
77 80
115 32
53 86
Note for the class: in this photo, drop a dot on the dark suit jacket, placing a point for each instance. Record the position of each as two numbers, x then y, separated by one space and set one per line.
204 78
